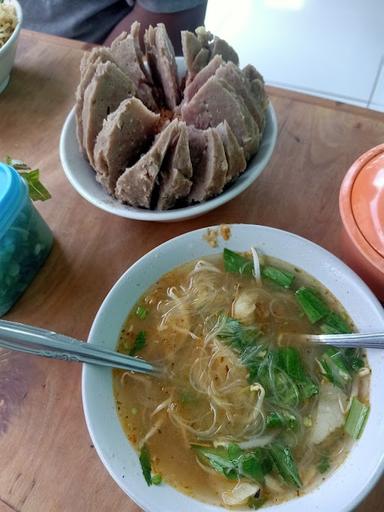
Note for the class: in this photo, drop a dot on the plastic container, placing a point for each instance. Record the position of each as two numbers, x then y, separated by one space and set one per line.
362 212
25 239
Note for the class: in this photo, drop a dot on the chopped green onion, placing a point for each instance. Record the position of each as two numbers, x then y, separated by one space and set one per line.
145 461
281 277
142 312
353 359
324 464
290 361
313 306
334 324
356 419
139 344
219 459
255 503
335 368
234 463
237 335
281 419
236 263
285 464
157 479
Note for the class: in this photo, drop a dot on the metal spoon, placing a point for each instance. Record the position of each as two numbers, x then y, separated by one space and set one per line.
41 342
354 340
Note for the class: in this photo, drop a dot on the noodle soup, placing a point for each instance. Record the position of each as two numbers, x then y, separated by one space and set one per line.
241 418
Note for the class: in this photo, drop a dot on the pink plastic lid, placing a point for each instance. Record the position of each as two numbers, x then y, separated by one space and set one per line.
362 207
367 201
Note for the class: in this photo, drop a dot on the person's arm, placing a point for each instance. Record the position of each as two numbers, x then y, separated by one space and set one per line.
175 22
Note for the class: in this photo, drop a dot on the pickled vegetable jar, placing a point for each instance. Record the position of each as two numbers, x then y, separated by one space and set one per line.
25 239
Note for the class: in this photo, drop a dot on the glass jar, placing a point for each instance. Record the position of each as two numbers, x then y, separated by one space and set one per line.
25 239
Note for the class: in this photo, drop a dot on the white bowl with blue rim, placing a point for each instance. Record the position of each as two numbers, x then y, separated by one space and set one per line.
344 489
82 177
8 51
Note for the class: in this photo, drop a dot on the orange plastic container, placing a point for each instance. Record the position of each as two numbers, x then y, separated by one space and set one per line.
361 205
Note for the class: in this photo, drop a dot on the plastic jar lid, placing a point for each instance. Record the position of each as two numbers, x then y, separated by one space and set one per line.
13 191
362 205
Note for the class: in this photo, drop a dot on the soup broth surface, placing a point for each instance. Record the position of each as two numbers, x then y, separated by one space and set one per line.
232 384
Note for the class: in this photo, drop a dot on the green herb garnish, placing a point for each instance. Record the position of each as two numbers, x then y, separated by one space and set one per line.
335 368
157 479
236 263
145 461
333 323
324 464
280 277
142 312
37 191
289 360
281 419
312 304
255 503
285 464
234 463
139 344
356 419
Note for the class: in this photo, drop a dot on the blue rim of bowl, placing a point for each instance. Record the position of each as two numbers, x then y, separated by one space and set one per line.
241 184
15 33
379 469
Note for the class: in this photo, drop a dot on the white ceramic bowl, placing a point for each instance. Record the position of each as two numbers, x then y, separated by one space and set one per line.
348 485
82 177
8 51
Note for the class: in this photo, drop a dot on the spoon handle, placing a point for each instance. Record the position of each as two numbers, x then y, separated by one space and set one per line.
41 342
354 340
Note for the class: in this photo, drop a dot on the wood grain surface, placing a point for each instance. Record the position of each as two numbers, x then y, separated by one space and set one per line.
47 462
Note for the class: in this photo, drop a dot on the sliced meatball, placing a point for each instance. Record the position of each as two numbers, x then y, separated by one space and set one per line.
136 185
234 153
217 101
175 174
210 173
107 89
127 53
162 61
126 133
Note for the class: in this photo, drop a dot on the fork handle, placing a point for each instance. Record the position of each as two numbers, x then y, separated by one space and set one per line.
41 342
354 340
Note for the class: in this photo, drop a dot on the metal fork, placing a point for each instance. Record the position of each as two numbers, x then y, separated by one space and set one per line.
41 342
354 340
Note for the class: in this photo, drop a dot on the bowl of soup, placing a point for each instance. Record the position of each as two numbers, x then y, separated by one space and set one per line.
246 414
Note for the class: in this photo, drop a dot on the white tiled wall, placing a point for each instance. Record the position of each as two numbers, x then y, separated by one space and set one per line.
331 48
377 100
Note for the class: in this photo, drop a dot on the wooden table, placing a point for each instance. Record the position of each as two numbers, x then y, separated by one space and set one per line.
47 461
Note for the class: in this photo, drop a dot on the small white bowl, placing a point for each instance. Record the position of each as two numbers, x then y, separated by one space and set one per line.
341 491
82 177
8 51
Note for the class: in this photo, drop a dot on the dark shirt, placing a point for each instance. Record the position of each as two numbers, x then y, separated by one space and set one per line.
89 20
